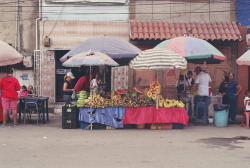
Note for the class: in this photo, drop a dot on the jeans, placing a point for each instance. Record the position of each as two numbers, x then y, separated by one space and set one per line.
205 99
232 100
67 99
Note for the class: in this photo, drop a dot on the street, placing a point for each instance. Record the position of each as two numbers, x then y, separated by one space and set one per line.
45 146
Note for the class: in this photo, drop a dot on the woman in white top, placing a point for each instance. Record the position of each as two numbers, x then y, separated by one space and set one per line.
95 83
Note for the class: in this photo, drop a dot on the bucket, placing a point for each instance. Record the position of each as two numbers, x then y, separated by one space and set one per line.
221 115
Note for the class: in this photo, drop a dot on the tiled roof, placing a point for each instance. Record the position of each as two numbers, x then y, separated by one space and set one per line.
148 30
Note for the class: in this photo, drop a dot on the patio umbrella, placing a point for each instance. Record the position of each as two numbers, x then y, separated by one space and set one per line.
244 59
195 50
158 59
111 46
8 55
90 59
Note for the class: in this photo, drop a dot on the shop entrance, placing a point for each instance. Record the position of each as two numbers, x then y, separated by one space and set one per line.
60 73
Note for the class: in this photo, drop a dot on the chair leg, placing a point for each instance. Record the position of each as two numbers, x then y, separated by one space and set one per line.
247 119
243 118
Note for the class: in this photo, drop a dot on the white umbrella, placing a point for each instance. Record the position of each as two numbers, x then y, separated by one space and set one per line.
158 59
244 59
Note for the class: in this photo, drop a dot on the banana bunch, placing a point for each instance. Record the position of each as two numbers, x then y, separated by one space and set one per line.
170 103
82 96
97 101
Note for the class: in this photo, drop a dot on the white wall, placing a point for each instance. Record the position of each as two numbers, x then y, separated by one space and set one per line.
20 75
81 12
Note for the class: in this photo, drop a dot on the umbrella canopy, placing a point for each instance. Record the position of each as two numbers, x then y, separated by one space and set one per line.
8 55
112 46
158 59
194 50
90 59
244 59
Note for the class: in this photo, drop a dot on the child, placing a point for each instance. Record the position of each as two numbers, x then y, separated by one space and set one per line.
24 91
30 89
247 100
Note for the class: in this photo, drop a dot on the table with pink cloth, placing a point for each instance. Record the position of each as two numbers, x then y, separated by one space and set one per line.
147 115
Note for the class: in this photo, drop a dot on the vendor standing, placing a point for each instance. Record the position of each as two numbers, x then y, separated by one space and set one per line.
67 87
202 82
83 83
95 84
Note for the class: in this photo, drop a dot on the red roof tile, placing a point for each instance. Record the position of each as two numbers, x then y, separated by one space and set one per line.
144 30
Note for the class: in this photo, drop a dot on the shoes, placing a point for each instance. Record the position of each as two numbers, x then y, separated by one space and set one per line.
15 125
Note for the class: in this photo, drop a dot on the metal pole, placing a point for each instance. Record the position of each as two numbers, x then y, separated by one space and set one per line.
17 17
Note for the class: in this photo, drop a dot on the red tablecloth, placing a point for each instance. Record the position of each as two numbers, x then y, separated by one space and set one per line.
144 115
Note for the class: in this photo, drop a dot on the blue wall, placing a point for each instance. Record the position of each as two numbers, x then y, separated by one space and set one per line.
243 12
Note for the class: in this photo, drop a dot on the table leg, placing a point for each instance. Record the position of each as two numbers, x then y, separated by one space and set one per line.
47 110
20 111
43 110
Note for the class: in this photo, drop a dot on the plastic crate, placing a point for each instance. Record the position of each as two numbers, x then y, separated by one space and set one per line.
166 126
178 126
68 123
70 111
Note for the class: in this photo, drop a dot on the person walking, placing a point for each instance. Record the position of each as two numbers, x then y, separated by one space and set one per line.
232 91
67 87
202 82
9 86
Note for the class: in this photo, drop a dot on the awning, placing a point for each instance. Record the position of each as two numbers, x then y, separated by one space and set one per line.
148 30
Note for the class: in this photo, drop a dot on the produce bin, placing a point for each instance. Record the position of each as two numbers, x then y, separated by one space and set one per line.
221 112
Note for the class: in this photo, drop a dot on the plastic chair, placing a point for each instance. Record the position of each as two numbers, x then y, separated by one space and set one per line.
246 115
32 105
201 106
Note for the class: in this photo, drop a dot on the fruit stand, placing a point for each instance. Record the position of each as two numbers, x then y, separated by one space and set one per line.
131 106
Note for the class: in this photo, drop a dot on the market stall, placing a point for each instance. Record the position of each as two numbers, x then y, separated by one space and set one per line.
134 105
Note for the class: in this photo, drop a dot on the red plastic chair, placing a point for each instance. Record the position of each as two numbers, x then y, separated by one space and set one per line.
246 115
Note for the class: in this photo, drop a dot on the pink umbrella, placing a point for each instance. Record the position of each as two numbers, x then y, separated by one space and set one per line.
8 55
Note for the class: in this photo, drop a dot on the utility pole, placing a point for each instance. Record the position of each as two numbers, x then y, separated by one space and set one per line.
17 22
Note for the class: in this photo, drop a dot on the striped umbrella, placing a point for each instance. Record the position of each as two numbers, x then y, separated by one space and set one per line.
158 59
90 59
194 50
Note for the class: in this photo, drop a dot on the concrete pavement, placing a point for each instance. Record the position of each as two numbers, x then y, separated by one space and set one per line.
49 146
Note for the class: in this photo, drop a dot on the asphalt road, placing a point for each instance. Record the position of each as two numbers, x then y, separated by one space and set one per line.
49 146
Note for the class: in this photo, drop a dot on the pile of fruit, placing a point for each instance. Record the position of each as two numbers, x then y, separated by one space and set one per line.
100 102
82 97
155 87
170 103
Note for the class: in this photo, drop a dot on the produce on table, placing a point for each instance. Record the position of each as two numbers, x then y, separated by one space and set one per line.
82 96
167 103
155 87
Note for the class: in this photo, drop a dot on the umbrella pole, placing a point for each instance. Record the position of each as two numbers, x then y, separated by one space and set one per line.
91 96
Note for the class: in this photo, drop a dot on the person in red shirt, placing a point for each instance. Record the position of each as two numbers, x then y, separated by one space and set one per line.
83 83
9 86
